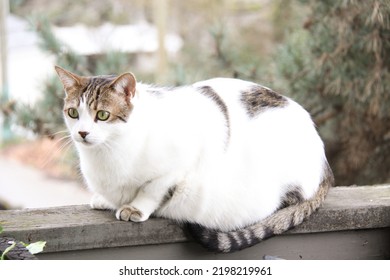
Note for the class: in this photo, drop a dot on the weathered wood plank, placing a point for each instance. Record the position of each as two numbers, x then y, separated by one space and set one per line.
370 244
79 228
350 208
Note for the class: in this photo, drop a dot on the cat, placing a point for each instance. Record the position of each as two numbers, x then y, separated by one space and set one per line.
234 160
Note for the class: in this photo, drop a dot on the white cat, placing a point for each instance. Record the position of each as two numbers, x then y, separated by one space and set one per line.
234 159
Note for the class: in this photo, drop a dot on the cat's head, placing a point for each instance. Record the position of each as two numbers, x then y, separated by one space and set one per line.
96 108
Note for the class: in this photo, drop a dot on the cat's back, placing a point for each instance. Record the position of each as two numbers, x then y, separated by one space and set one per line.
247 101
265 124
220 84
229 89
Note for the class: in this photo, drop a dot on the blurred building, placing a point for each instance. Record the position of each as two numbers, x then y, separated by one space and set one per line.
28 65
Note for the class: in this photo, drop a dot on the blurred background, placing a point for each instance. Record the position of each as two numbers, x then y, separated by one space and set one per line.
333 57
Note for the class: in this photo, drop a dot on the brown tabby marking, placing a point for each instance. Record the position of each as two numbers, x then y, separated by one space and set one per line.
258 98
99 94
292 197
169 194
210 93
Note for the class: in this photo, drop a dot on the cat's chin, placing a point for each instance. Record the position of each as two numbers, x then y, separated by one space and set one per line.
87 144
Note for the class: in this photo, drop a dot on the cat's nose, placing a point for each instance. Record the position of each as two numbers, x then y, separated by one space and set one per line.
83 134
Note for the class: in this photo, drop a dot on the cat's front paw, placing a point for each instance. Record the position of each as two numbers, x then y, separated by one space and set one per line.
100 203
130 213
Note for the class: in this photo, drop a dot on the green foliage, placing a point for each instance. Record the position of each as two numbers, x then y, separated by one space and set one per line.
36 247
345 52
292 59
33 248
6 251
223 57
113 62
14 5
65 13
44 117
64 55
354 64
338 67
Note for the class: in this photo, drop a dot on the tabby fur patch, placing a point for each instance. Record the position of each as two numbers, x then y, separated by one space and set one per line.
257 99
98 93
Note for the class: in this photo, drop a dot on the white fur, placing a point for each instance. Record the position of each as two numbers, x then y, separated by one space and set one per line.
179 139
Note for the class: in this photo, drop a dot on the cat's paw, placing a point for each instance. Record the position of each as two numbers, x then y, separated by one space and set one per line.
130 213
98 202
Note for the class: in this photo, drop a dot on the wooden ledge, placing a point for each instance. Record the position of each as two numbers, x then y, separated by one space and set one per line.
78 227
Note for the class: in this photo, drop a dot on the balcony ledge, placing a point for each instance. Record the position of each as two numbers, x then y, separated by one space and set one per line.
349 213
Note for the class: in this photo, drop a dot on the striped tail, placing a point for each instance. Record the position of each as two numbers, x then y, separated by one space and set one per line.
280 221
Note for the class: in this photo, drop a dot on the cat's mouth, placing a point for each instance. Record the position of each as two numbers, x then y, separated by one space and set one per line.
85 142
88 142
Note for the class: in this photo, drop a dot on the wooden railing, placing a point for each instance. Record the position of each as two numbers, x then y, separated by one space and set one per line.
353 223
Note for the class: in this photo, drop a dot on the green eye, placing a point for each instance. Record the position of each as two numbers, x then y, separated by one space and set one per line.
102 115
72 112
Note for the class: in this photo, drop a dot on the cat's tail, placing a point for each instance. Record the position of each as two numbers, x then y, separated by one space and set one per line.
280 221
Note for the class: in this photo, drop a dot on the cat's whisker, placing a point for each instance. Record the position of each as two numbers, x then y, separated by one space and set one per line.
60 131
67 146
62 148
62 138
52 135
59 140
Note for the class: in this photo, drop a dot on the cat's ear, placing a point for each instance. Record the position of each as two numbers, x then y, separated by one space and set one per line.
68 79
125 83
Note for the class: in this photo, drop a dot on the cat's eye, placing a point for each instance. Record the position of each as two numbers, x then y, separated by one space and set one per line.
72 112
102 115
